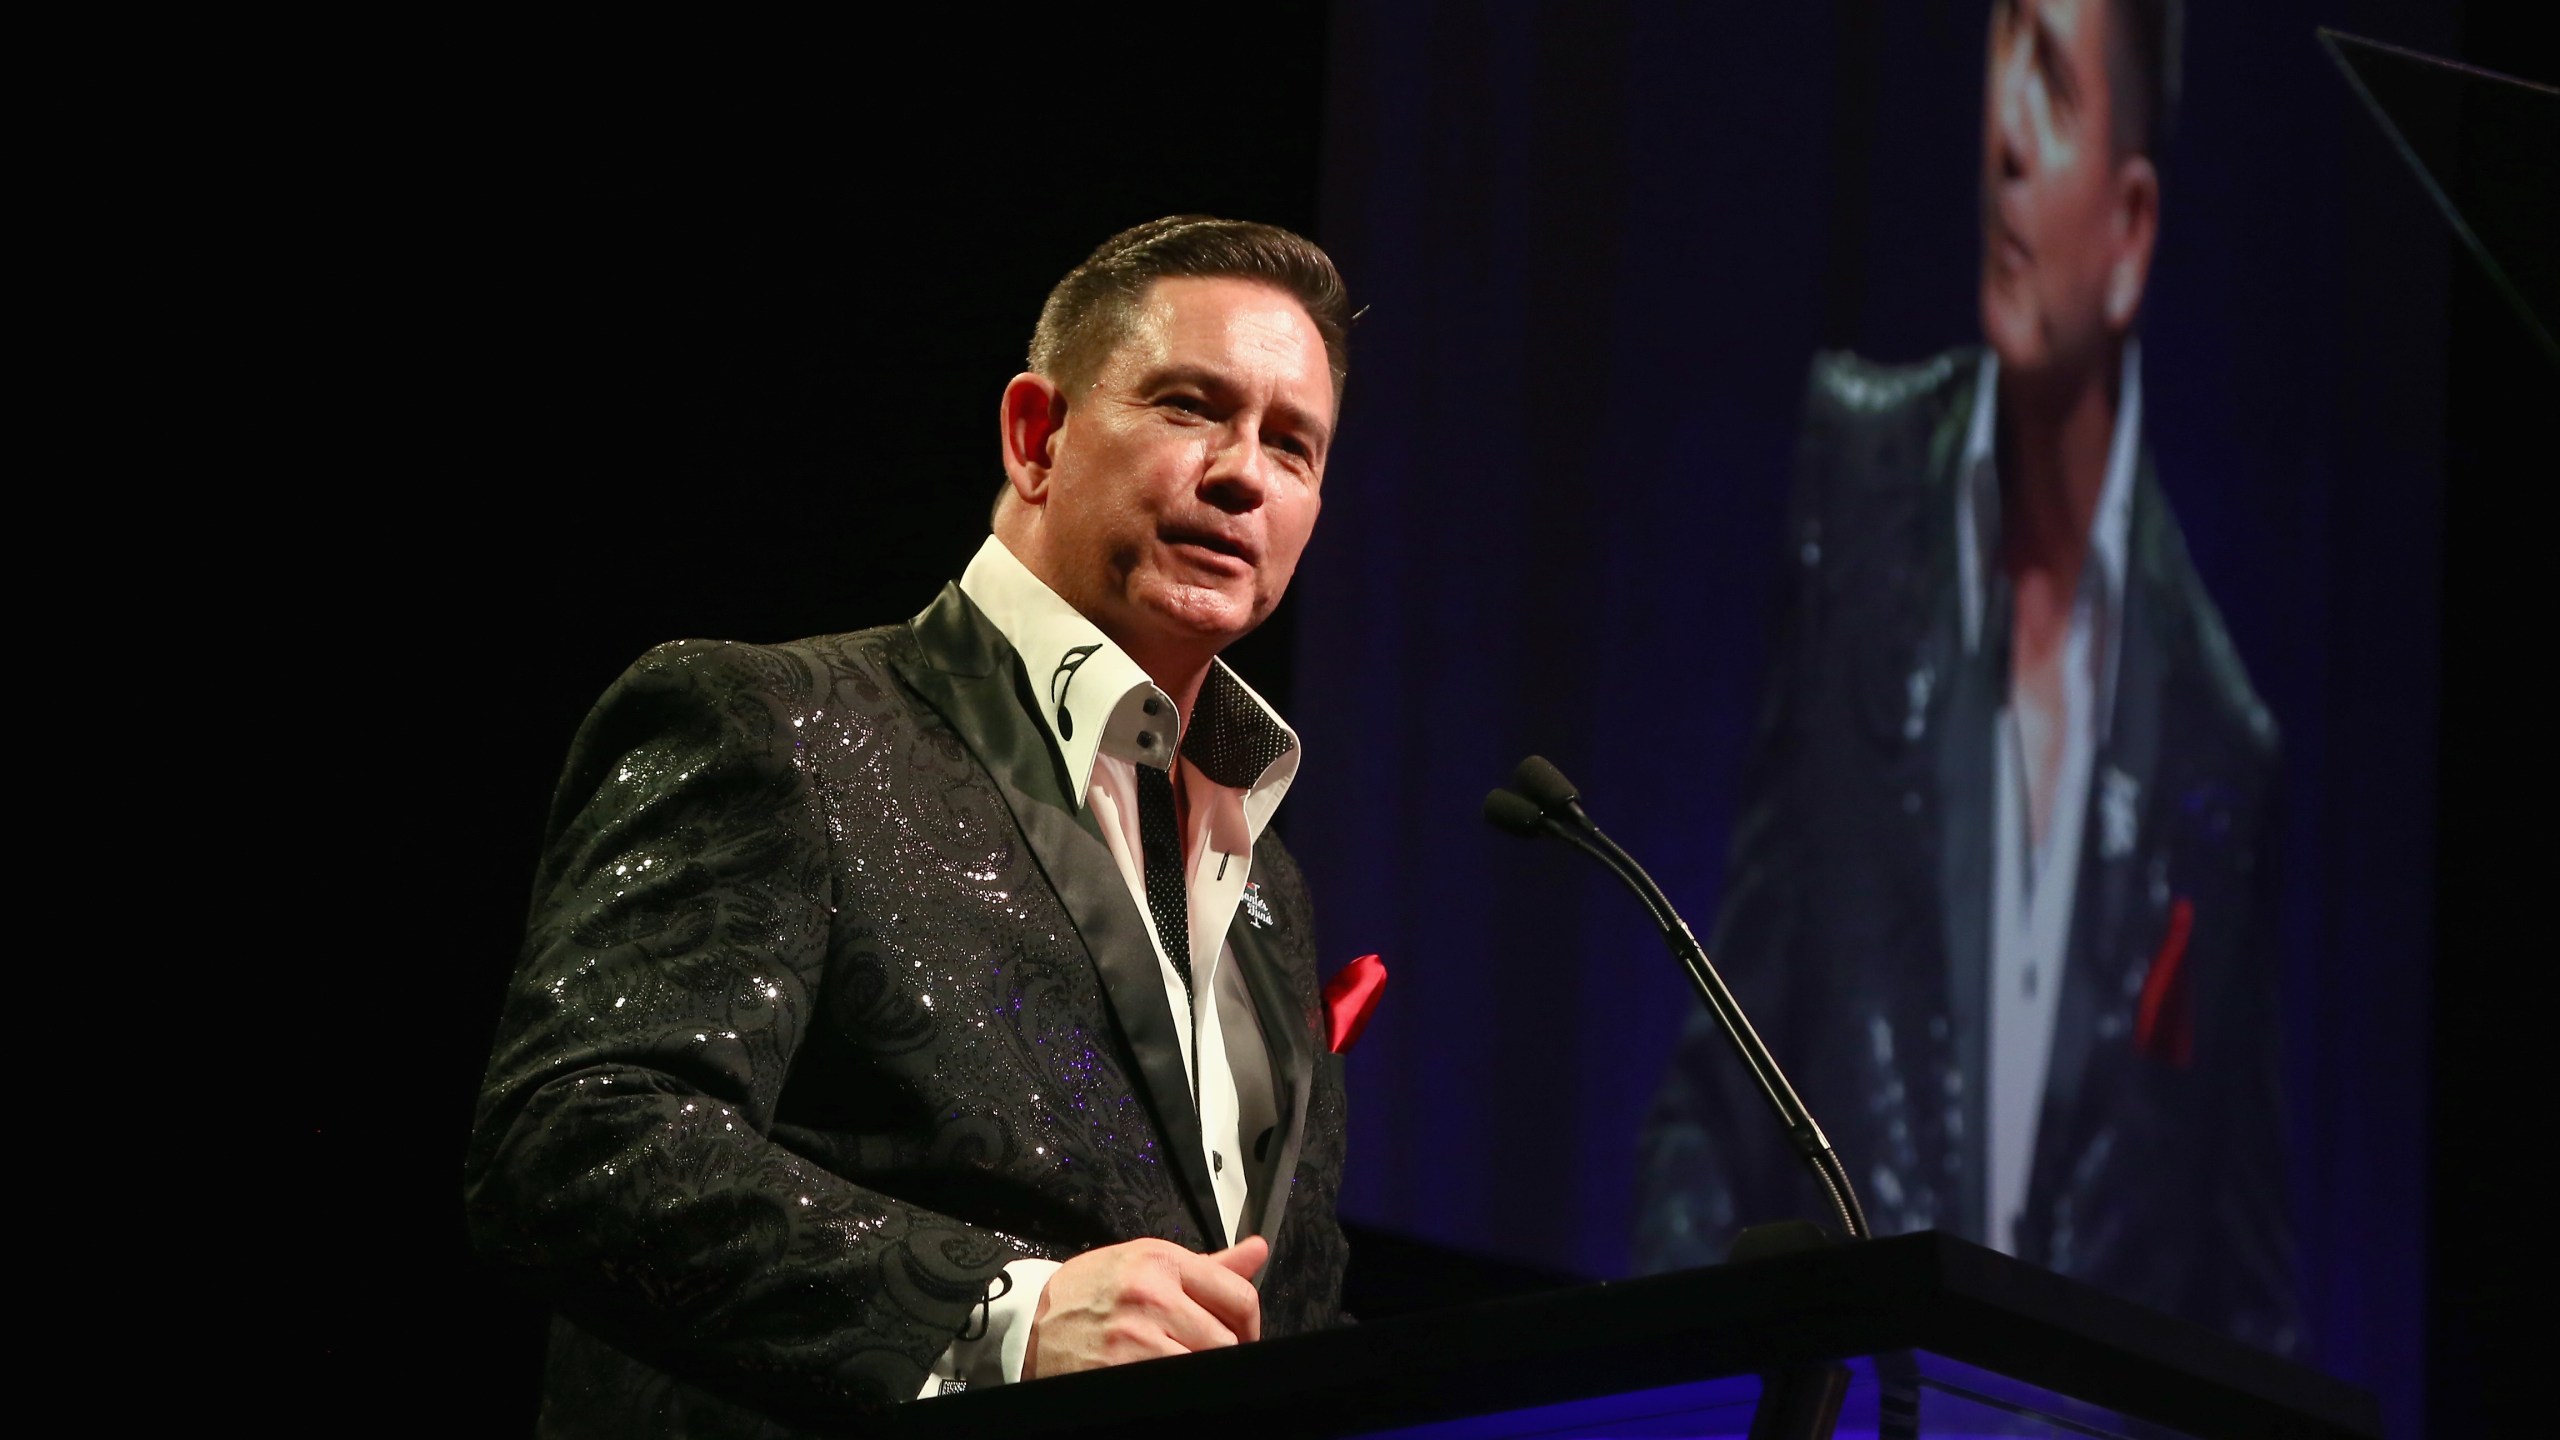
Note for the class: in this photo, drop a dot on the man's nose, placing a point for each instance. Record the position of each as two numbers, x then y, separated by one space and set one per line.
2010 151
1238 473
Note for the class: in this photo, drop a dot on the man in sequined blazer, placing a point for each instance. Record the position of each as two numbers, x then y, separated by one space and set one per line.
2002 894
929 1005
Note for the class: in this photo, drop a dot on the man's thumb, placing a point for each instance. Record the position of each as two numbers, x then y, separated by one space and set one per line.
1245 1257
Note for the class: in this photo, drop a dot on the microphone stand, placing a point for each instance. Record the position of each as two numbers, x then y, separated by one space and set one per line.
1551 806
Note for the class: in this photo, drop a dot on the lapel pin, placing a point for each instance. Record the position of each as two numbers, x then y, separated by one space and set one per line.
2119 814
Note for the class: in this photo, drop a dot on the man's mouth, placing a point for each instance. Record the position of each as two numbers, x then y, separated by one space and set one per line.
2006 251
1211 541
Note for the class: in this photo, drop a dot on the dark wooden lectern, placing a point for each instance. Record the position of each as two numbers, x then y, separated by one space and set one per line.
1920 1335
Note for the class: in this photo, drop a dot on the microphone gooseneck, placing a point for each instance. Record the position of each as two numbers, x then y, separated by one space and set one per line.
1546 803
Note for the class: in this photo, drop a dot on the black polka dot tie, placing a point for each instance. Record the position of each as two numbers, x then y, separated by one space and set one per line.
1167 898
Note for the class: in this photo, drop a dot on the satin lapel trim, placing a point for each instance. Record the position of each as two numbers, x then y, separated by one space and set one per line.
1964 797
1284 1037
1964 890
972 677
2109 887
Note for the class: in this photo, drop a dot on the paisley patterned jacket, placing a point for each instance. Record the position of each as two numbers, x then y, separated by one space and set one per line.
831 1004
1857 910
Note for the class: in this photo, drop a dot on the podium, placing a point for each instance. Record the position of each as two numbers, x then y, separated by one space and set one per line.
1916 1336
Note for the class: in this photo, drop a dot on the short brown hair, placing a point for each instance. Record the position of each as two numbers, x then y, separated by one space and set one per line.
1089 313
2143 41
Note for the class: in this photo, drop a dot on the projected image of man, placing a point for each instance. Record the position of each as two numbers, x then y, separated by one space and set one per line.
2003 880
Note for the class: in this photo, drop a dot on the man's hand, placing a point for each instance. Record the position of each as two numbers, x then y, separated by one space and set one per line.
1141 1299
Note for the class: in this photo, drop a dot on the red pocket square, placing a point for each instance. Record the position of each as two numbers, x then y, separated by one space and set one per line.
1348 998
2164 1023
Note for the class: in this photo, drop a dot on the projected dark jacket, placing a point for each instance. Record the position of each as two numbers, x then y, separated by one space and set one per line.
832 1003
1856 924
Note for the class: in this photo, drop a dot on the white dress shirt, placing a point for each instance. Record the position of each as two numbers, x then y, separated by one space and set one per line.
2034 877
1106 718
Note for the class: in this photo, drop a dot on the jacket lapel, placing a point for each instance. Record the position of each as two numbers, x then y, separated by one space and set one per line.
971 676
1284 1037
1964 889
1964 781
2118 835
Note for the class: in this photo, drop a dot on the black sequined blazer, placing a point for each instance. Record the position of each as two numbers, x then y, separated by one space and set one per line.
832 1003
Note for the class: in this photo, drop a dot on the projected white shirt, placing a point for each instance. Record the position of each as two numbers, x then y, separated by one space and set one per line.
2034 878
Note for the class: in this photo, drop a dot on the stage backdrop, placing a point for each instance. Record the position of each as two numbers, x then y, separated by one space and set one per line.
1599 245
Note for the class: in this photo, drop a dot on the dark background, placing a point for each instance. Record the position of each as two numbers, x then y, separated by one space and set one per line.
682 351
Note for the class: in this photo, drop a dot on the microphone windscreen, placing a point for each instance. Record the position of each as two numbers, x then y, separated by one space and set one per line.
1544 784
1514 813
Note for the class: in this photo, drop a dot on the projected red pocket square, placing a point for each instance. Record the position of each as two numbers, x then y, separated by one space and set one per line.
2164 1021
1348 998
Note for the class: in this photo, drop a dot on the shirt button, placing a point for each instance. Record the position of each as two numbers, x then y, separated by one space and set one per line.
1146 739
1217 1162
1154 706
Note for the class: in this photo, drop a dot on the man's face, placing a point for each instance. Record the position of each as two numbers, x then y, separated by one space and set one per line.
2054 201
1186 478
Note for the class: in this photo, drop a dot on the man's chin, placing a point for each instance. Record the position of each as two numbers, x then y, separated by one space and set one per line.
2009 327
1204 616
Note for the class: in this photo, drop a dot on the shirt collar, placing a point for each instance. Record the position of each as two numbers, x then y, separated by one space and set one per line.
1097 702
2102 580
1977 495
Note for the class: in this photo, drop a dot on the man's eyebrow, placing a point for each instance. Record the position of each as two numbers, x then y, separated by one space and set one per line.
1318 429
1196 375
2051 59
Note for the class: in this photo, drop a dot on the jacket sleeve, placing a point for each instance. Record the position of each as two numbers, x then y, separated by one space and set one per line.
2249 1285
1695 1187
620 1153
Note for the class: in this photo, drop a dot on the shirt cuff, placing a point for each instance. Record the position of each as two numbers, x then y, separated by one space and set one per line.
994 1357
1009 1319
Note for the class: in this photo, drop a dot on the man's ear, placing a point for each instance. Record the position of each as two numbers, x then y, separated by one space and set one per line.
1034 410
2137 234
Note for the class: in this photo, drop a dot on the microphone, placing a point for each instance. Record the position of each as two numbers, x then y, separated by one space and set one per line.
1546 803
1545 787
1516 813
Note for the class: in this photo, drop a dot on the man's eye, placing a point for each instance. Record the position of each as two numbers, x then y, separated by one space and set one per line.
1188 404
